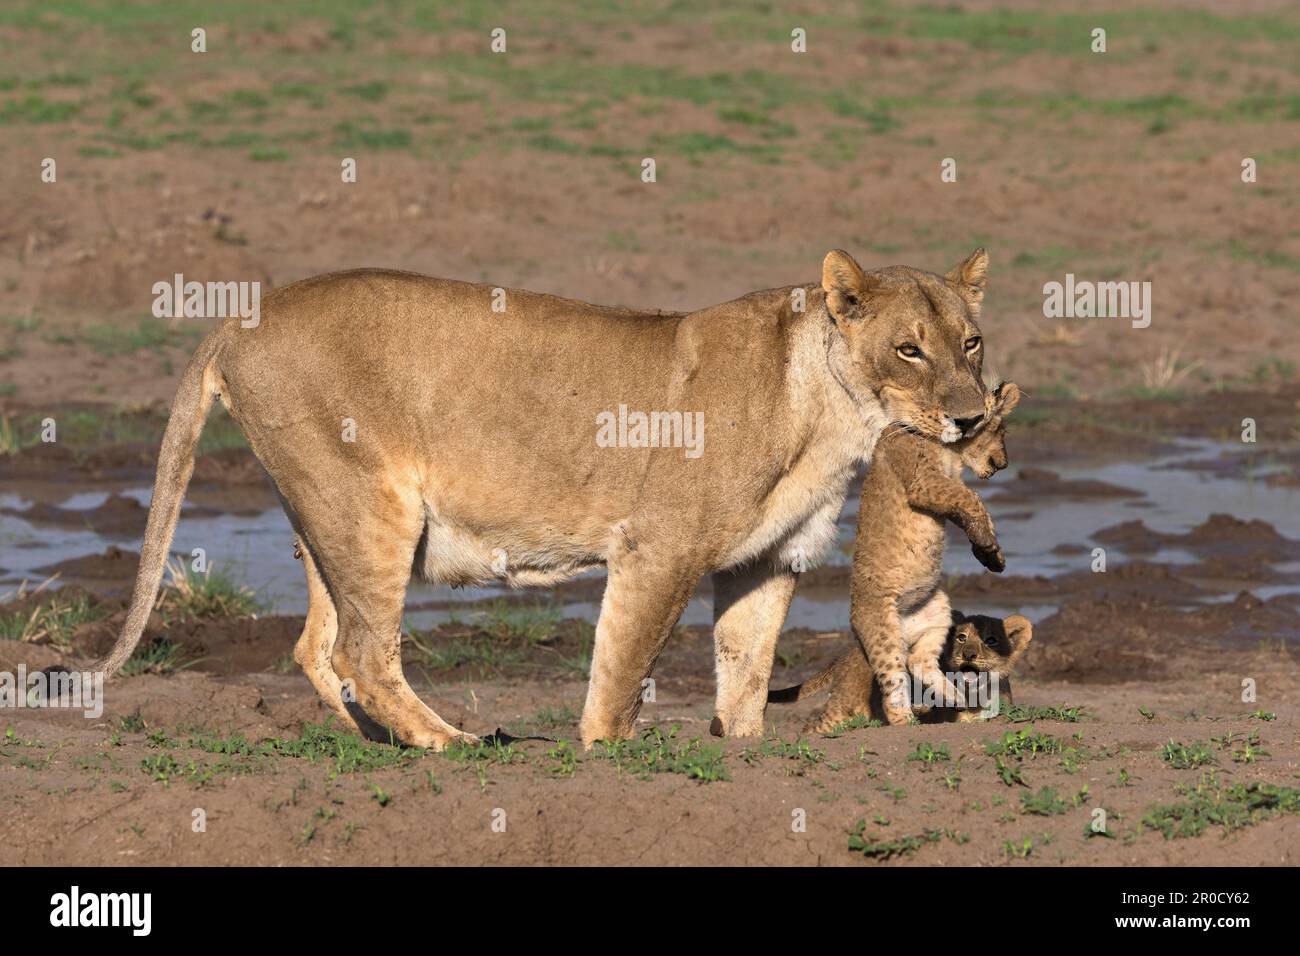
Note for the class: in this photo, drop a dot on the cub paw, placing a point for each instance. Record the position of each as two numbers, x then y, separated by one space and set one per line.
991 557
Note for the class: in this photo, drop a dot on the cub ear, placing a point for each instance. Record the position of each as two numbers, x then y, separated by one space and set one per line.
845 284
1020 631
1008 396
970 277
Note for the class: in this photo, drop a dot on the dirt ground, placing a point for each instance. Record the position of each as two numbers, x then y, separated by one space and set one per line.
523 169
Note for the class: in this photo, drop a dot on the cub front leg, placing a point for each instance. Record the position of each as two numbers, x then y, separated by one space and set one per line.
644 597
949 498
749 607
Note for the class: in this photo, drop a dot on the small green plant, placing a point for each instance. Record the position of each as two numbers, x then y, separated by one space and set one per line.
1021 850
1250 750
1182 757
929 755
159 656
856 722
198 596
874 847
1044 803
565 759
1009 774
1021 743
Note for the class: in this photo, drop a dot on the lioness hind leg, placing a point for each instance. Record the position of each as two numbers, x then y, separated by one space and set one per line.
316 644
367 561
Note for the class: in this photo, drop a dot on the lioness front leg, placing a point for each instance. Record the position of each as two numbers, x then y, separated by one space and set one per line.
644 597
749 607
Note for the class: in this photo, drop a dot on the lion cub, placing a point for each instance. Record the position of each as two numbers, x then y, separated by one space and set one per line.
914 484
975 645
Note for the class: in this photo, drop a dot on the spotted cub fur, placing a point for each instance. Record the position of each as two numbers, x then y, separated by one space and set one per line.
975 645
915 486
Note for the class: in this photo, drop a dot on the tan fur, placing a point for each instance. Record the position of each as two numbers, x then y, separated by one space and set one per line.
475 459
974 644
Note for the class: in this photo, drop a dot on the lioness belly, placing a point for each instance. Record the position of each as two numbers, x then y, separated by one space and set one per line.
457 554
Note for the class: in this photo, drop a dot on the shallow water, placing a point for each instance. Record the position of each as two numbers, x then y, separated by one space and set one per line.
257 549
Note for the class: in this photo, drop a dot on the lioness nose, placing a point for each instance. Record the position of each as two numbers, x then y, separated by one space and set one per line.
968 425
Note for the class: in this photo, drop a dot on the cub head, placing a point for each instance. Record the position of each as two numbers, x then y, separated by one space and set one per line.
979 643
910 339
986 451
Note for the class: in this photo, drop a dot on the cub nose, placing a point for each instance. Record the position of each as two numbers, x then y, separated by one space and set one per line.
968 425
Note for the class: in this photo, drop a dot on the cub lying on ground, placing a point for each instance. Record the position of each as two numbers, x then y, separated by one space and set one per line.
975 645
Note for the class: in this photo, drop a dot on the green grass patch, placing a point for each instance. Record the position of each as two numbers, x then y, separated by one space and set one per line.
1184 757
195 595
1020 714
160 656
656 752
37 109
53 620
1209 804
1045 803
878 847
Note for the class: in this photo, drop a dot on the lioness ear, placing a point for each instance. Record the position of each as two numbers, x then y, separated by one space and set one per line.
845 283
1020 631
970 277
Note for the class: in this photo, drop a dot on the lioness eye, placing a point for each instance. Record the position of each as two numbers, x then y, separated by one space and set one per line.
972 343
909 351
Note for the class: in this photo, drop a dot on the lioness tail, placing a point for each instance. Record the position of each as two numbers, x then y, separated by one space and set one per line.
190 408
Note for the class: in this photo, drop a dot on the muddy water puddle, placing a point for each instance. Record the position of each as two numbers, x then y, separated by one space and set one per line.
1046 521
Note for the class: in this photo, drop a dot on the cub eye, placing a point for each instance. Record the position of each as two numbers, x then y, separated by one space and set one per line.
973 343
991 641
961 638
909 351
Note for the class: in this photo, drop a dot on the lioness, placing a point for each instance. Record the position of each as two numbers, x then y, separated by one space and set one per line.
975 645
410 427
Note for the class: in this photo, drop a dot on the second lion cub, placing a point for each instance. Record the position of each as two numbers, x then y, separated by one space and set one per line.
897 605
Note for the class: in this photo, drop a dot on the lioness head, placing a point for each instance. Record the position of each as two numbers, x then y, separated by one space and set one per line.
912 340
979 643
986 451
